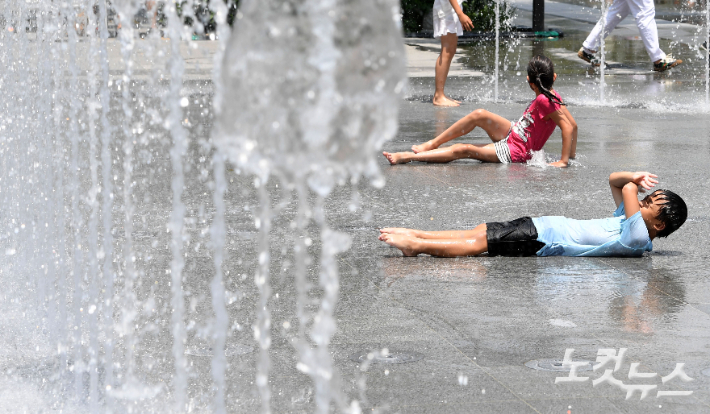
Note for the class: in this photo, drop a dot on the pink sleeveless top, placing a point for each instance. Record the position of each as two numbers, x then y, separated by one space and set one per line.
531 131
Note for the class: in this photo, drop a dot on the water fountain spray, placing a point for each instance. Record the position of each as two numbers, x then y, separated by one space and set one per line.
707 54
602 53
309 106
127 324
177 153
310 118
495 97
107 271
218 231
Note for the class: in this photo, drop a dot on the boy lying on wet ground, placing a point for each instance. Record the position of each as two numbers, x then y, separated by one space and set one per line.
628 233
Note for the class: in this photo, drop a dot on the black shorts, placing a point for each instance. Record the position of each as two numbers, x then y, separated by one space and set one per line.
515 238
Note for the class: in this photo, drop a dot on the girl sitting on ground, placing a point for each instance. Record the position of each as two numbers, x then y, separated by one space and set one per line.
512 141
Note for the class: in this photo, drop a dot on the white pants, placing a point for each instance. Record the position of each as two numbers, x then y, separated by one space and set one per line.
643 11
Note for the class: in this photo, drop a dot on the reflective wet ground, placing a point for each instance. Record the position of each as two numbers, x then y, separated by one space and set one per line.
446 335
472 327
480 321
484 318
476 322
629 78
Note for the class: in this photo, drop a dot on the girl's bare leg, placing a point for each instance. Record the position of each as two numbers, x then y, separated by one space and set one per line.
495 126
412 246
485 153
478 231
449 42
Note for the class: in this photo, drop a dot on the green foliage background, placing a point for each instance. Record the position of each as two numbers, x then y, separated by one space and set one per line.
413 12
481 12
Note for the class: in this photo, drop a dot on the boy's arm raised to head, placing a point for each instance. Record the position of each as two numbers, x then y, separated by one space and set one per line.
630 195
625 187
569 136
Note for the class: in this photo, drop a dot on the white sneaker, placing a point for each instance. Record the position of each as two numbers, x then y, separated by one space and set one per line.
666 63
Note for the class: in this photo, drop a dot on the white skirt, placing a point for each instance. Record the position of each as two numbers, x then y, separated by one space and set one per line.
448 24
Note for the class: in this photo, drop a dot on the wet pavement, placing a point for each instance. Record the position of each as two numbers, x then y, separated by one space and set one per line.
485 318
629 78
477 323
453 335
473 326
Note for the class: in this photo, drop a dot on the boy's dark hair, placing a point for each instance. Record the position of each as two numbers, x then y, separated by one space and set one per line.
673 211
541 72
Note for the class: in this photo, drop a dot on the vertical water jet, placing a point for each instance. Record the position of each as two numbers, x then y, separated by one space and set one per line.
497 63
310 102
177 153
602 54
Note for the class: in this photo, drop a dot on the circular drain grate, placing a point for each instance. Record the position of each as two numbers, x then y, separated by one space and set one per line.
229 350
706 372
555 365
392 357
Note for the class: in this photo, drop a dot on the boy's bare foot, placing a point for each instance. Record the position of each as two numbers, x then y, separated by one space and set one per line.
398 230
444 101
427 146
397 157
402 242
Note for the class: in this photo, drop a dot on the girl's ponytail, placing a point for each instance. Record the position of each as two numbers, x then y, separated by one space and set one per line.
541 72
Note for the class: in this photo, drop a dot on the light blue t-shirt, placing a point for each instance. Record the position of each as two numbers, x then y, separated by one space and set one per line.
613 236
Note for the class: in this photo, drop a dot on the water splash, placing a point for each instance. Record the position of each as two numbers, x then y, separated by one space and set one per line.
177 218
218 232
316 128
93 234
538 159
602 53
497 58
707 54
129 313
107 270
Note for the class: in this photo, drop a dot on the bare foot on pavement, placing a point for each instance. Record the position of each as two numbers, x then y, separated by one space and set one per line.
403 243
445 102
397 157
427 146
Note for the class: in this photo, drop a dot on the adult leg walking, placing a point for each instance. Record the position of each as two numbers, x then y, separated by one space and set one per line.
615 14
644 11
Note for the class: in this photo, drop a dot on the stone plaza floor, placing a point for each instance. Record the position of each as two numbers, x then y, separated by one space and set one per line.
467 335
475 328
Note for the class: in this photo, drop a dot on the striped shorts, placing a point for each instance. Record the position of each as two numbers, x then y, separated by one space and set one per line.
502 150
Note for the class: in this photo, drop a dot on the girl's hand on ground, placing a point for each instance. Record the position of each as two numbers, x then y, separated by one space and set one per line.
558 164
466 22
645 180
